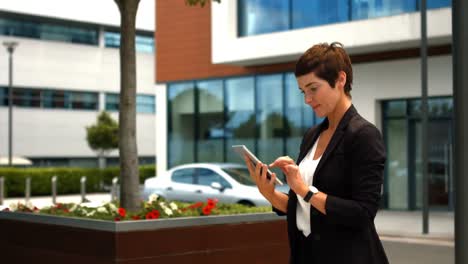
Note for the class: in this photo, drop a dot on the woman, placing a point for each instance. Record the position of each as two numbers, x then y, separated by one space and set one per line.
335 185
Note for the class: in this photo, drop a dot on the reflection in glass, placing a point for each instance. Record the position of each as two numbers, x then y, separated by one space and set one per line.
395 108
240 123
262 16
145 103
364 9
270 117
307 13
299 116
438 3
181 123
210 121
397 164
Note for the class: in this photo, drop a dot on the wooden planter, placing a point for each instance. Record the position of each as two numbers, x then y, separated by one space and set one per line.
250 238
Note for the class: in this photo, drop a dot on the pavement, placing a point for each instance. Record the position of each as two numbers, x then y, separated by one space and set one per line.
401 226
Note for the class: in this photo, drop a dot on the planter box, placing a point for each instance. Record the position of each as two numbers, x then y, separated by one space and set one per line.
249 238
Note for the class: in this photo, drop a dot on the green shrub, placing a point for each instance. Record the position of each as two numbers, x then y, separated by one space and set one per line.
68 179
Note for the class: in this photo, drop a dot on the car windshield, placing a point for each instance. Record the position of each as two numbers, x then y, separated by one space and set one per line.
241 175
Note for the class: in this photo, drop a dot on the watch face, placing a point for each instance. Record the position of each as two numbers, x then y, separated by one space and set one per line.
313 189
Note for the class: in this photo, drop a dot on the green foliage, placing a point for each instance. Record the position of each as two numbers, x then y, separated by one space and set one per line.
199 2
68 179
103 137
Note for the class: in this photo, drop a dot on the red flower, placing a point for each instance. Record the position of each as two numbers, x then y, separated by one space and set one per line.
196 205
58 205
117 219
211 203
122 212
136 217
37 209
66 210
6 209
152 215
207 210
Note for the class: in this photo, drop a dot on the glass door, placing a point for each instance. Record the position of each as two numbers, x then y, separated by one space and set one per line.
440 165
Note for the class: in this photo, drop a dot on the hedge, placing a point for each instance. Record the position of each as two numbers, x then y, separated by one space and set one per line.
68 179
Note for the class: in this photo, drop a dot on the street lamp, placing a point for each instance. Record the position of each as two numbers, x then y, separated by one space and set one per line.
10 46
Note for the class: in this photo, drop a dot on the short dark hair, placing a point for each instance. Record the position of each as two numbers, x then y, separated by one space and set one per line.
326 61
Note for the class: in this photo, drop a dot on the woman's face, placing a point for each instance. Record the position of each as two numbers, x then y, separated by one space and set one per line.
319 95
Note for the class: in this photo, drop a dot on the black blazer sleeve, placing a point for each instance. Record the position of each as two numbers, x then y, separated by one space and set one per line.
367 154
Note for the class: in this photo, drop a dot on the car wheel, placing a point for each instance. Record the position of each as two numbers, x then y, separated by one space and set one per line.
246 203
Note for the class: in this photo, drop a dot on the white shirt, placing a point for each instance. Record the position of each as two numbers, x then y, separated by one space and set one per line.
307 169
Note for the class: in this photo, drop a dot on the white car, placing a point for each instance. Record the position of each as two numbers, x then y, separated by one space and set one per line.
227 182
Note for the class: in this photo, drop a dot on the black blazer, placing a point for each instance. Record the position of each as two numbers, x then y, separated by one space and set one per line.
350 172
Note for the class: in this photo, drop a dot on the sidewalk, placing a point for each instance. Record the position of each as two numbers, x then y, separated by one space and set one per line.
390 224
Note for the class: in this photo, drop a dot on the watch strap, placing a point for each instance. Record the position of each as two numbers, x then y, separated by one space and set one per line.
308 196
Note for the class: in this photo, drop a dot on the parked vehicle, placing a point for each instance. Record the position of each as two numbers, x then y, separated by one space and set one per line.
227 182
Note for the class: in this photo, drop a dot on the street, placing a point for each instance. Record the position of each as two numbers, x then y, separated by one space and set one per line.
408 251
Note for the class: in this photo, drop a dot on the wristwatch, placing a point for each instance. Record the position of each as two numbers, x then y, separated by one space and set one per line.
310 193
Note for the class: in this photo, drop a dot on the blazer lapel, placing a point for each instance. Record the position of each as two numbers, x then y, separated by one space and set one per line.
337 136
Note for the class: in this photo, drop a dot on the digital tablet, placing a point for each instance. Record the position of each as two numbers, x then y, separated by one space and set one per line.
243 150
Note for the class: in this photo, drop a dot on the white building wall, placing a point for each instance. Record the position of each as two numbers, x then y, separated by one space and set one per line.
103 12
397 79
360 36
39 132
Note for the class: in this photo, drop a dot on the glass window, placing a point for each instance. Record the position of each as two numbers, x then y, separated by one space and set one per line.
3 96
145 104
307 13
31 28
207 176
262 16
184 176
143 43
397 163
210 121
241 122
26 97
112 102
181 133
84 100
438 3
440 107
270 117
56 99
299 116
364 9
395 108
111 39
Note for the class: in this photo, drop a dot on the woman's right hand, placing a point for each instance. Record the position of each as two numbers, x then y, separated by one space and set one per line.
259 175
282 163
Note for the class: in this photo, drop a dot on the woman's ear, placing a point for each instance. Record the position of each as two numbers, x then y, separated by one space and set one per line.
341 80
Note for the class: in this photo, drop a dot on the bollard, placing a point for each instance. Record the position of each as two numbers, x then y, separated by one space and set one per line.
83 189
54 190
114 189
2 193
27 192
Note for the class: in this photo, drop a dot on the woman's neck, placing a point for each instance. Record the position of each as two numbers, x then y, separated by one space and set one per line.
334 118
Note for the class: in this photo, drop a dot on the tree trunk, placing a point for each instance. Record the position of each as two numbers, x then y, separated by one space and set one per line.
129 187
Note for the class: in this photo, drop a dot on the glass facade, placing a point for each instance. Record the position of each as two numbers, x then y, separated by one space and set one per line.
143 43
144 103
46 98
66 31
402 132
262 16
264 112
33 28
181 126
